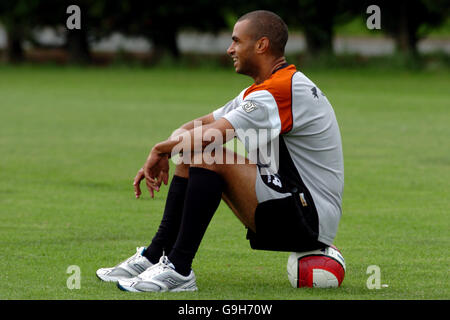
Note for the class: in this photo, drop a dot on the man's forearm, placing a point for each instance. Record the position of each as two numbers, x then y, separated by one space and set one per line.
207 119
196 138
184 140
166 147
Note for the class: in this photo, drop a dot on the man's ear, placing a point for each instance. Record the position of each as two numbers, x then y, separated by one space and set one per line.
262 45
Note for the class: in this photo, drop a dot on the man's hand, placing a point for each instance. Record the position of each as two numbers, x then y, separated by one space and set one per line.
155 172
156 168
137 181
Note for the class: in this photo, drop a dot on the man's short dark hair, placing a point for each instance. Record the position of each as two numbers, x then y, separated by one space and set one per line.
268 24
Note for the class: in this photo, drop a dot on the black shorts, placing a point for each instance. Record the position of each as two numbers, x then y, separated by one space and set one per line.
285 224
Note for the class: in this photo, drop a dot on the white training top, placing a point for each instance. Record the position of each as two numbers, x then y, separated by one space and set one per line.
310 150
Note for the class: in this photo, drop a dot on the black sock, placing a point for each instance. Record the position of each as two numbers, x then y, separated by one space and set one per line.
203 195
170 224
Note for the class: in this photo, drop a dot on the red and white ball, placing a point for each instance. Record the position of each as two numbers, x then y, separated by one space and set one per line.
318 268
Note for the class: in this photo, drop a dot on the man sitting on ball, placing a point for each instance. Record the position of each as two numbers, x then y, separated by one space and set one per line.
292 203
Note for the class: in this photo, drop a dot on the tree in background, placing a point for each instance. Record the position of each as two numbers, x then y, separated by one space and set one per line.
97 22
52 13
406 21
22 17
318 19
315 18
158 21
161 21
16 17
409 21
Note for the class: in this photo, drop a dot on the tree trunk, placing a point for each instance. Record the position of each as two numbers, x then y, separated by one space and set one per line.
317 19
165 42
15 51
406 36
78 46
319 39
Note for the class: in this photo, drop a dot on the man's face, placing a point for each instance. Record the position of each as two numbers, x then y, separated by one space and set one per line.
242 48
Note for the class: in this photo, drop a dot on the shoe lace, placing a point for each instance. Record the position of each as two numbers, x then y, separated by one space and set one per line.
158 268
132 258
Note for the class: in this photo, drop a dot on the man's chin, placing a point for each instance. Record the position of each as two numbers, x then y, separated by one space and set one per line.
236 67
239 70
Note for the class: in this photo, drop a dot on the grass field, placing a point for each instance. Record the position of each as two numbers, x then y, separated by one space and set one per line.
71 141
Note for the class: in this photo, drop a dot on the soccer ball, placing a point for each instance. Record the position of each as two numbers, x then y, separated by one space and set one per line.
318 268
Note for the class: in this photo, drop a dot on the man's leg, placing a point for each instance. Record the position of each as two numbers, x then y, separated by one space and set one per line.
207 184
164 238
167 233
239 193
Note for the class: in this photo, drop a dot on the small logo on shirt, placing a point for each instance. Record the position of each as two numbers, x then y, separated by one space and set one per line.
249 106
303 200
315 93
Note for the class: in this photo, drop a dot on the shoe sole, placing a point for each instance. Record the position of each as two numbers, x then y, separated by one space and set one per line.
126 289
107 278
173 290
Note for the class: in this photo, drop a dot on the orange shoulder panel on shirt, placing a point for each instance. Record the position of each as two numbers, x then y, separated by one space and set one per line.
280 86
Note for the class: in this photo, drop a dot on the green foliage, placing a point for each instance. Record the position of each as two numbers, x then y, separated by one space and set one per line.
409 21
398 61
161 21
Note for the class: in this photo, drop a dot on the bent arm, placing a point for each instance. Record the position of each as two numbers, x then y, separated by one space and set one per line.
204 120
192 141
196 138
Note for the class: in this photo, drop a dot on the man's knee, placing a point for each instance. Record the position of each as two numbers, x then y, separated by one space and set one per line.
213 160
182 170
210 166
216 160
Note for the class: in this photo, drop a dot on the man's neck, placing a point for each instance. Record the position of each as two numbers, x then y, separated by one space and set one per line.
266 72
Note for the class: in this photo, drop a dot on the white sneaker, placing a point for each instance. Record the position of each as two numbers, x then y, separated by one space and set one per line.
129 268
159 278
